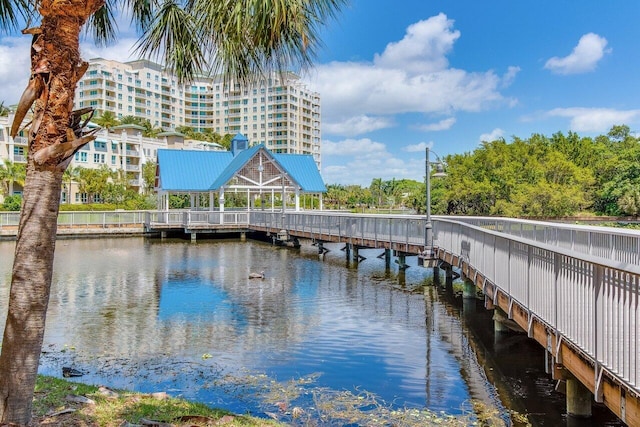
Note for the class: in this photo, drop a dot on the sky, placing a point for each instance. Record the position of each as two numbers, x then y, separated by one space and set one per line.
398 76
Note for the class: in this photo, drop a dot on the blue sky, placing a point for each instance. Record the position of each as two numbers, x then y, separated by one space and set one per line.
396 76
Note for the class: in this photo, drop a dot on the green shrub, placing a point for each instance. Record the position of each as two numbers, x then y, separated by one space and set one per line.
12 203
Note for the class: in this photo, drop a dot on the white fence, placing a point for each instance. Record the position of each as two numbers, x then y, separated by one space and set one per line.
607 242
591 301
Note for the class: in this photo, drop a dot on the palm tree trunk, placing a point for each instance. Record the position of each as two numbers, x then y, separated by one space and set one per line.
56 66
29 295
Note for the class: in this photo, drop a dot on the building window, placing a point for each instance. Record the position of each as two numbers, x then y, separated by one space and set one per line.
81 156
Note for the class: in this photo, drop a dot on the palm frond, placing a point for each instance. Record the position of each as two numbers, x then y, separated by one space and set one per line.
173 37
102 25
242 38
142 12
16 12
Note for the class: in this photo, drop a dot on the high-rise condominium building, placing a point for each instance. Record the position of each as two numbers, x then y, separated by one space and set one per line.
278 111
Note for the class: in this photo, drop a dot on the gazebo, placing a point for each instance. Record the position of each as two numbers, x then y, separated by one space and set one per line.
255 171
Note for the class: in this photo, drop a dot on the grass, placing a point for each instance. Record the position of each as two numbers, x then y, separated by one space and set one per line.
54 405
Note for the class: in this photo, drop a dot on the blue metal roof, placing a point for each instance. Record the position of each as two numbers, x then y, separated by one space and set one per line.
234 166
302 169
189 170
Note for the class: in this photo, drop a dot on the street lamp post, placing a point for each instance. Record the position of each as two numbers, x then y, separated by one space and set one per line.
428 227
427 254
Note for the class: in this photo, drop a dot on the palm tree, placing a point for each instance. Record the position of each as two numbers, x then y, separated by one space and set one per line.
243 39
4 111
107 120
71 175
11 173
377 190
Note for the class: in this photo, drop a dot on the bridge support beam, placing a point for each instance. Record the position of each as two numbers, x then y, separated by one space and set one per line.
578 399
402 261
243 236
436 276
321 249
347 251
469 289
500 320
193 236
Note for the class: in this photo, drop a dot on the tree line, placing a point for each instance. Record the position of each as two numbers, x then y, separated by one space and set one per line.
110 188
557 176
108 120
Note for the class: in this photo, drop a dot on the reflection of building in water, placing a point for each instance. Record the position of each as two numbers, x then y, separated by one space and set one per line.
133 298
177 297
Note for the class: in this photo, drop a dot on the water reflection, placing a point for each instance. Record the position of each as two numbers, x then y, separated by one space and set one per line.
142 314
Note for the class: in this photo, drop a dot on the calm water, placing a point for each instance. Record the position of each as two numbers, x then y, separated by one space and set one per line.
183 317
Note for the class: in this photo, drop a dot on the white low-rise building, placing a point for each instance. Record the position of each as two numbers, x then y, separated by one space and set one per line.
122 148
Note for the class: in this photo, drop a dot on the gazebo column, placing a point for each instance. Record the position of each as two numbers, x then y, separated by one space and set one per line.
321 207
192 201
221 200
297 199
273 197
283 194
212 200
248 199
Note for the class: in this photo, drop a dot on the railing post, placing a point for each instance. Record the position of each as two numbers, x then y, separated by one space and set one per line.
598 282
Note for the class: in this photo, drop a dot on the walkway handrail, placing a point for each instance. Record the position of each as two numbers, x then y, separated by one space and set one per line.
591 301
608 242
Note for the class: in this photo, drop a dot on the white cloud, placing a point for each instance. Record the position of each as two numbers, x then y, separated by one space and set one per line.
409 76
15 63
352 147
121 51
357 125
15 66
510 76
497 133
583 58
358 161
423 49
596 119
444 124
415 148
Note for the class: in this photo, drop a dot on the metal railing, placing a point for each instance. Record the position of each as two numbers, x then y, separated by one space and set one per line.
608 242
189 219
400 229
83 220
590 301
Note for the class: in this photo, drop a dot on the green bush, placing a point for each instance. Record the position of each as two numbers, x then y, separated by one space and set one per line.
12 203
88 207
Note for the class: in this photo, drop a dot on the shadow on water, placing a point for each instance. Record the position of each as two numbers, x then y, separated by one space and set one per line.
337 339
